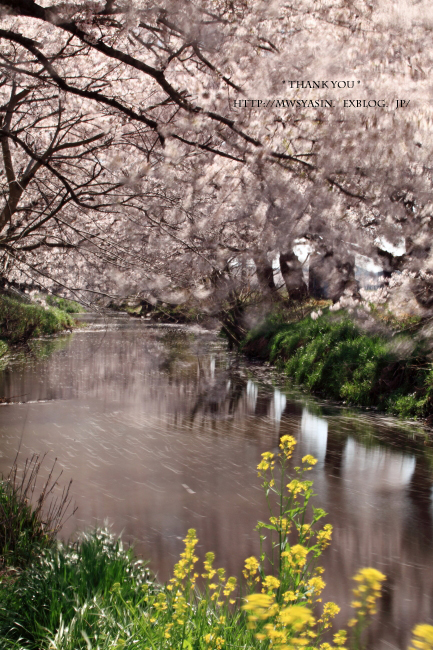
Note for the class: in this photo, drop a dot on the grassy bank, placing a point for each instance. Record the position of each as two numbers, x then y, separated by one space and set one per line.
92 594
69 306
334 358
20 321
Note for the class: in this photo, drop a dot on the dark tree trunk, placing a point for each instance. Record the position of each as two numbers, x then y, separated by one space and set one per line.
265 274
330 276
291 270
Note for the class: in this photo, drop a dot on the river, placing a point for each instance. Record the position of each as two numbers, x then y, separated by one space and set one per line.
161 429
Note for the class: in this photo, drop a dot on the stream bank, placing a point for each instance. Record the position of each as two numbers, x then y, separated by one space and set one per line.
22 319
336 357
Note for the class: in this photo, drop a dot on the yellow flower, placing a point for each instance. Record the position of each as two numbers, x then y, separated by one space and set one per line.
251 568
316 585
266 462
368 591
270 583
310 460
296 557
340 638
423 637
330 611
260 606
324 536
297 616
221 574
289 596
298 487
287 445
230 586
209 570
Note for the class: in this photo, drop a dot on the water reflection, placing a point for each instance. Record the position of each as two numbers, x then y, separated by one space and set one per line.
161 430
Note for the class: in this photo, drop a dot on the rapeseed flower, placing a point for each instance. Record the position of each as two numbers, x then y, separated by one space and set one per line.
266 463
296 487
297 616
423 638
324 536
340 639
270 584
287 445
251 569
296 558
208 566
330 611
309 460
230 586
260 607
368 592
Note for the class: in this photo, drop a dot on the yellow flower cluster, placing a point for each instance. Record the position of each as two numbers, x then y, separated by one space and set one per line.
296 558
296 487
330 611
286 628
270 584
281 615
287 445
281 523
324 536
366 594
315 587
423 638
183 570
266 463
309 460
209 571
250 571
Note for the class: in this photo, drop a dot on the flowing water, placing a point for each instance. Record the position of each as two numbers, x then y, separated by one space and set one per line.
161 429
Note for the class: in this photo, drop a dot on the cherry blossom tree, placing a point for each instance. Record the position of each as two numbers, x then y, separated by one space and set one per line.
200 132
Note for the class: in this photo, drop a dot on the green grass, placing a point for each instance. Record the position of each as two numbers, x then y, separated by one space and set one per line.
334 358
28 527
69 591
69 306
20 321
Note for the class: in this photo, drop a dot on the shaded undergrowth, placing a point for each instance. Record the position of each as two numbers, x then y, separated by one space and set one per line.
333 357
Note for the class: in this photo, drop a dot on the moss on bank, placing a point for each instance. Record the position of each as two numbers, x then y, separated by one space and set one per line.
19 321
334 358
